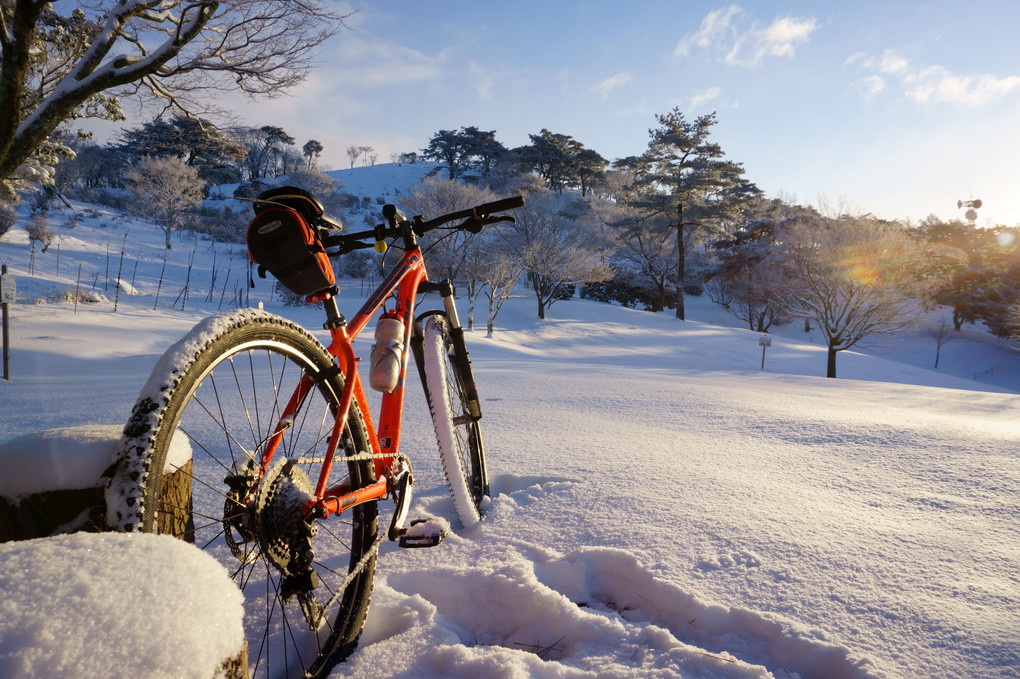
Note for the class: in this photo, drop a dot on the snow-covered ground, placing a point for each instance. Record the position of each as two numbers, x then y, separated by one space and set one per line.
661 506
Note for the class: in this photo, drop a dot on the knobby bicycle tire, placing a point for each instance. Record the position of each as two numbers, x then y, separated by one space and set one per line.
218 394
448 381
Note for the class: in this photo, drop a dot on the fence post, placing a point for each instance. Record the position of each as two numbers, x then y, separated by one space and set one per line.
7 295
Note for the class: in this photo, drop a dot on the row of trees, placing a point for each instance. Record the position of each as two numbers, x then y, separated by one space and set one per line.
680 218
219 156
648 229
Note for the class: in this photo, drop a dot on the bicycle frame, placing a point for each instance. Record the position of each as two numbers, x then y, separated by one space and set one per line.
403 280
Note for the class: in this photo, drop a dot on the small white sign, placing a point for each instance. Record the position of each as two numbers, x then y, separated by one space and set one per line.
7 290
765 340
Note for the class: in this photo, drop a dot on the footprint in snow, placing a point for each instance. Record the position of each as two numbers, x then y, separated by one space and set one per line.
524 490
593 613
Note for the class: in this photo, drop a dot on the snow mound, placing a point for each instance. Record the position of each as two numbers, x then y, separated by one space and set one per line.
57 459
115 605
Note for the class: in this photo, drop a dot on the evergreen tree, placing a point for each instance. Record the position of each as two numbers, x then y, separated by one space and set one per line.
553 157
312 150
684 177
482 148
196 142
450 147
751 274
461 149
266 146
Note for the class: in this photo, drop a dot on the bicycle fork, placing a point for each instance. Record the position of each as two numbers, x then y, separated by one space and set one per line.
459 355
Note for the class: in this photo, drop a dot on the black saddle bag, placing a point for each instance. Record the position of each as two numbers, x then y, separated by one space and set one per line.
283 240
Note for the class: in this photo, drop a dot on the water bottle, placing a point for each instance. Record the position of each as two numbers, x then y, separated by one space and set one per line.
384 370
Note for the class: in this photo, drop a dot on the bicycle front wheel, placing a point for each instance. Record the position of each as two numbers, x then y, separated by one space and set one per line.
450 389
194 464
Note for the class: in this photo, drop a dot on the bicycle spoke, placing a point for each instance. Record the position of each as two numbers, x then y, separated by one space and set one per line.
244 404
219 424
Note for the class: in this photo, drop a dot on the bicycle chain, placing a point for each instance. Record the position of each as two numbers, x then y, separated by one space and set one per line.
372 551
359 457
313 612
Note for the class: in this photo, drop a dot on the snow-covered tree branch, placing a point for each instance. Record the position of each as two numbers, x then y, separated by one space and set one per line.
171 53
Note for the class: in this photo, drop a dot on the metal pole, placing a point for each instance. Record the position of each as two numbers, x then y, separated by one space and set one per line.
6 334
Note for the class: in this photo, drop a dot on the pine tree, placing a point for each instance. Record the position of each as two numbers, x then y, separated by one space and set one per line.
685 177
312 150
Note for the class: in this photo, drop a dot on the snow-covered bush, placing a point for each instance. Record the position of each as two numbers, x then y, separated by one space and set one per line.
39 230
8 215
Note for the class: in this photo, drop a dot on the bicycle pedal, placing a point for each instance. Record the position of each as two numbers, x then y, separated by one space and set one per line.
424 533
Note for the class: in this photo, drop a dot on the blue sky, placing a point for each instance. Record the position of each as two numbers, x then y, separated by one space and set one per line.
894 108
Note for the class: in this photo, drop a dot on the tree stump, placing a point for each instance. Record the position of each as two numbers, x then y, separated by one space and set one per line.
175 517
55 512
51 513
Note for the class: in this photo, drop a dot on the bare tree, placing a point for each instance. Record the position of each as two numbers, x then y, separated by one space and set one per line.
859 278
503 272
8 216
39 230
164 189
435 196
170 53
646 248
940 332
353 152
554 247
367 152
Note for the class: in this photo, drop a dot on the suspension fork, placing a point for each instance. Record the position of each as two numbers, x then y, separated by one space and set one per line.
459 356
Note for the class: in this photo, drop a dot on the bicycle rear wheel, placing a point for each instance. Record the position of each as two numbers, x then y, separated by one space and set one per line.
450 389
191 466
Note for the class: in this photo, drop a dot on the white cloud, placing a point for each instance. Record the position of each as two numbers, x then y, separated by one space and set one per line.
936 84
932 84
780 39
726 30
892 63
373 63
715 27
607 86
704 97
872 85
483 81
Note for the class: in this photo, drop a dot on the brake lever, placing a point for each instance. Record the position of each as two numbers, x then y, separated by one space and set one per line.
475 224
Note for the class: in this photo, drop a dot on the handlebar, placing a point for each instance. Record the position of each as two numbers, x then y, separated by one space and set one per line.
397 224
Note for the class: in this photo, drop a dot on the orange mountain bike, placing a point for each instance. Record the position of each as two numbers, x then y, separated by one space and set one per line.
254 441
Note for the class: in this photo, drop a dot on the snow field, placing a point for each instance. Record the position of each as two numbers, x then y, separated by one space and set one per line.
661 506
